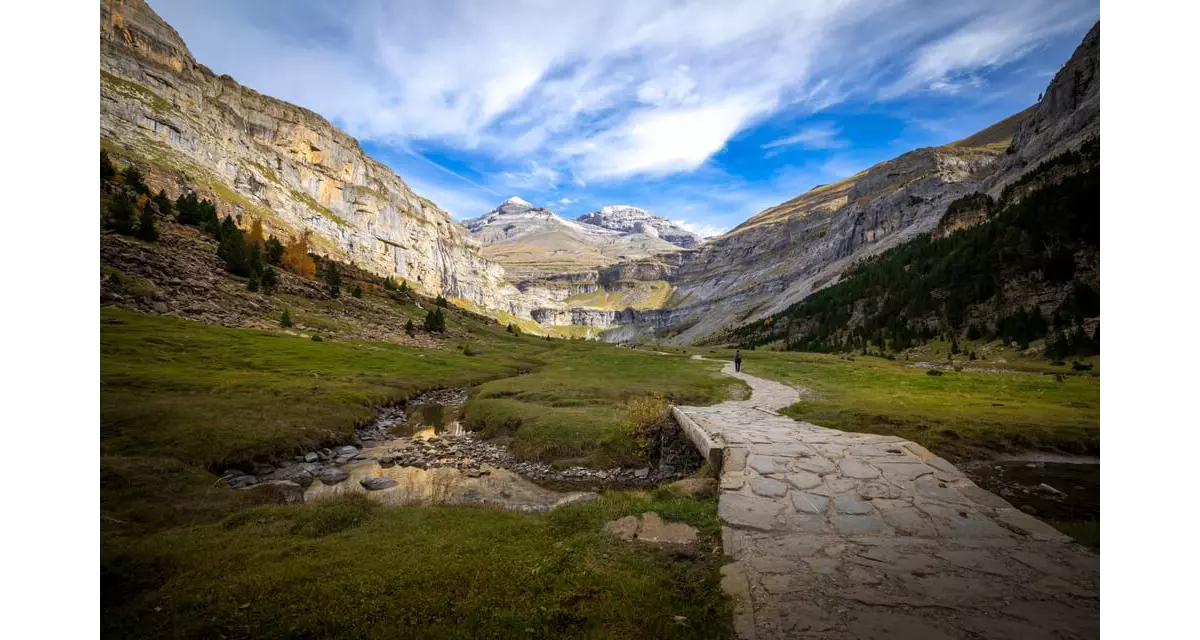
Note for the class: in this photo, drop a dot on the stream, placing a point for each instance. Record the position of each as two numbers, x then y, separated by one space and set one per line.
1049 486
420 453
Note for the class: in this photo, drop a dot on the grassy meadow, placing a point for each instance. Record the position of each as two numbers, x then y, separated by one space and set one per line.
959 414
184 557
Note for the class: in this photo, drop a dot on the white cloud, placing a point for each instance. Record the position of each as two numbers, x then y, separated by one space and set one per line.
824 135
701 229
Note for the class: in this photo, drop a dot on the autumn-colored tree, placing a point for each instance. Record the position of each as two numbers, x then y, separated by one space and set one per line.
255 235
296 258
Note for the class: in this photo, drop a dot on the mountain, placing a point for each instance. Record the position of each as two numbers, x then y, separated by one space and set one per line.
533 242
262 158
628 219
782 255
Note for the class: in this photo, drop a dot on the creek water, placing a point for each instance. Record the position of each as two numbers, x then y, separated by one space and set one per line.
1051 487
430 427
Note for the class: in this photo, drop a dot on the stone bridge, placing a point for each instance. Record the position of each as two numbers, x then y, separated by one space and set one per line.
847 535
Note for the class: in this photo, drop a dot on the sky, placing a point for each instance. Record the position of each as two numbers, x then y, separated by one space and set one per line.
705 112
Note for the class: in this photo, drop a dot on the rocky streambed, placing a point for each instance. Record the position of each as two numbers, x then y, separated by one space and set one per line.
420 453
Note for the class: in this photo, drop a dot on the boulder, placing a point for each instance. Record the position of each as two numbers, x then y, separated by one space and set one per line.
241 482
280 491
332 475
375 484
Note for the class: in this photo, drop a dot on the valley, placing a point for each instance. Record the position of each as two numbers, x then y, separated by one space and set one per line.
329 409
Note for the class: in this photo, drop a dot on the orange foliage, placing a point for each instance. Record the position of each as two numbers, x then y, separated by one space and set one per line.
296 258
142 200
256 233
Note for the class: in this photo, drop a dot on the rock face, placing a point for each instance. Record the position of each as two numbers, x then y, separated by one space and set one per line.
628 219
533 242
264 158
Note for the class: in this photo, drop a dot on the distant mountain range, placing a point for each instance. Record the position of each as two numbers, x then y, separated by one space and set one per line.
620 269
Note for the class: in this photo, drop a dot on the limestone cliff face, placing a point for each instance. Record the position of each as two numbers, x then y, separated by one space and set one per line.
264 158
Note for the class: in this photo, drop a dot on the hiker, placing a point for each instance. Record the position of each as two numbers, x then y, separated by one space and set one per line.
737 361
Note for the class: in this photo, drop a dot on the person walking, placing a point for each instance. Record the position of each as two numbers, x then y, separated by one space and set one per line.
737 361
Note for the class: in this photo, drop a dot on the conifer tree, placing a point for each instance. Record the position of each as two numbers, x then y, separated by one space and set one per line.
285 320
107 171
274 251
146 229
409 328
357 292
333 279
270 279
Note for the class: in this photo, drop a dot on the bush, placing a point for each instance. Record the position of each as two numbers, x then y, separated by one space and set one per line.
252 283
403 286
645 417
357 292
285 320
163 203
317 338
933 372
441 302
468 351
389 284
409 328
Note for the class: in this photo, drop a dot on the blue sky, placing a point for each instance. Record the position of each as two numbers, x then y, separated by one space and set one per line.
704 112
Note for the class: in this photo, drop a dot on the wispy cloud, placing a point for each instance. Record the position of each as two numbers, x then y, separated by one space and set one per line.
824 135
604 94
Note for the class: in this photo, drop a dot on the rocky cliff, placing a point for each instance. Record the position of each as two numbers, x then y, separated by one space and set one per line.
264 158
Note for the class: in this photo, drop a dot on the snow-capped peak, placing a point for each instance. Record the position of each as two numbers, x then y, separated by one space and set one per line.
517 200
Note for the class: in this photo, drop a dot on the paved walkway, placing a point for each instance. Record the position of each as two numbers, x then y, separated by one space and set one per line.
846 535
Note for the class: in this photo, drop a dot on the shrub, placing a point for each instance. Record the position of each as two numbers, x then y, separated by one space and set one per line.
270 279
441 302
409 328
389 284
317 338
357 292
333 279
285 320
933 372
645 417
403 286
468 351
252 283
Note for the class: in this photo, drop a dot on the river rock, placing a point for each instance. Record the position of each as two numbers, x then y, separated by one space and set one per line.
295 473
376 484
332 475
311 456
280 491
241 482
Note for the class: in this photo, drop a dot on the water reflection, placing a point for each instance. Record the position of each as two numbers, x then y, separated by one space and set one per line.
429 420
489 486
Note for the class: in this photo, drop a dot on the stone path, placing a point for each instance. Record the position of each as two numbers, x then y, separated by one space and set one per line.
846 535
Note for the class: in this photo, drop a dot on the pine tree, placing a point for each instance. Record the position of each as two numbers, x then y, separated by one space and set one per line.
164 203
435 321
357 292
146 229
232 248
441 301
403 286
389 284
509 328
107 171
333 279
252 282
274 251
409 328
285 320
270 279
254 259
133 178
121 214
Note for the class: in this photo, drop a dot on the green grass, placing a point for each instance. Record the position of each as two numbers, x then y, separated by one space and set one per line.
318 207
571 407
1085 532
958 415
133 89
184 557
347 569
